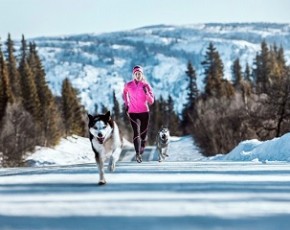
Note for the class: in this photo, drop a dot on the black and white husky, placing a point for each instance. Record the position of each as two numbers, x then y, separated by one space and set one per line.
162 143
106 142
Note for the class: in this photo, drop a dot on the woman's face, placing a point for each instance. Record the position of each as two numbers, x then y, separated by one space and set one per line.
138 76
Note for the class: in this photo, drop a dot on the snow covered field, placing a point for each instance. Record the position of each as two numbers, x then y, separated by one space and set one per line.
195 193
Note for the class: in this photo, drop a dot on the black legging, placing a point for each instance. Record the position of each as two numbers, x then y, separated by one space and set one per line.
139 123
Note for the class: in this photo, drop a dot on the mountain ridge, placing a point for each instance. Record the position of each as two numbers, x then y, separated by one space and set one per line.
98 64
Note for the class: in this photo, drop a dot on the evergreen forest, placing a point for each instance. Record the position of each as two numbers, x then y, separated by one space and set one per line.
254 104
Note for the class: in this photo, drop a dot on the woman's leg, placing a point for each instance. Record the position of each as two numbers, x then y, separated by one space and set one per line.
139 132
144 120
136 131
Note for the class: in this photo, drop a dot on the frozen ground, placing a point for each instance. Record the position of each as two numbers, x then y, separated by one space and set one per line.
151 195
247 189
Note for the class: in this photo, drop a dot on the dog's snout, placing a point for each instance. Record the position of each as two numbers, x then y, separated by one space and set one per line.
100 135
163 136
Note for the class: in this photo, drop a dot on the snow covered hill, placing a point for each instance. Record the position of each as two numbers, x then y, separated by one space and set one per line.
97 64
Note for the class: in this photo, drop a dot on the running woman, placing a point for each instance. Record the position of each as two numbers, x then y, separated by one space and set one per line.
137 95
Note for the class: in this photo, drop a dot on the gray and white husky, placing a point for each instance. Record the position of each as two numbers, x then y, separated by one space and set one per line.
106 142
162 143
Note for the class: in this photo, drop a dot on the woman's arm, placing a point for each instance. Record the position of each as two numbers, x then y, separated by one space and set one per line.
149 93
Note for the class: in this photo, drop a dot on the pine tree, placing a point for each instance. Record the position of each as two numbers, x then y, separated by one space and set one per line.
12 68
215 85
275 111
192 95
173 120
71 110
29 91
247 73
49 116
2 100
29 94
262 69
280 57
192 87
116 108
237 73
51 124
6 95
277 63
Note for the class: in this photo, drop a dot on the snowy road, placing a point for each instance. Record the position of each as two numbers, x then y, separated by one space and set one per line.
151 195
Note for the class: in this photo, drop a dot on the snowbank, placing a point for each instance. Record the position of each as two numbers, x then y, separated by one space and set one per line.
277 149
77 150
70 150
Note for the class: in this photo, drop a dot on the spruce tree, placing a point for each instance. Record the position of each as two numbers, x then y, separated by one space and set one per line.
43 92
173 120
213 66
71 110
116 108
275 111
12 68
237 73
262 69
49 116
247 73
2 101
280 57
52 125
29 94
213 70
192 95
192 86
277 64
6 95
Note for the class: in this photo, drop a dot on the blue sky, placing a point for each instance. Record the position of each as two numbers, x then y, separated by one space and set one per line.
62 17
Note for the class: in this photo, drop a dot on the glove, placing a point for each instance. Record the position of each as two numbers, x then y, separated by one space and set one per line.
145 89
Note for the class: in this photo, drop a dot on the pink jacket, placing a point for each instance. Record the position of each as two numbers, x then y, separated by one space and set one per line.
135 97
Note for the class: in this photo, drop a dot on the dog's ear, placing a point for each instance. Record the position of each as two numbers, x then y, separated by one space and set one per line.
90 117
108 119
108 115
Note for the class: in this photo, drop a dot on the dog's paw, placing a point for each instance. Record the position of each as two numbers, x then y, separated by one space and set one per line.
102 182
111 167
